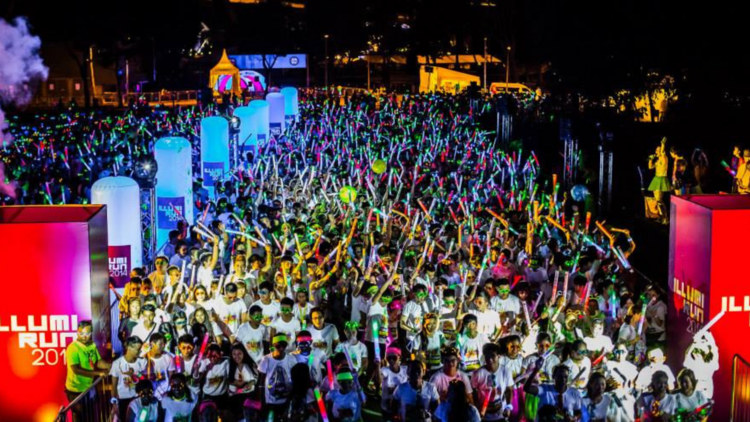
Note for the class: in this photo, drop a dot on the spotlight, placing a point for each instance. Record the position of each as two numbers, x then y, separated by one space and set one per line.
144 172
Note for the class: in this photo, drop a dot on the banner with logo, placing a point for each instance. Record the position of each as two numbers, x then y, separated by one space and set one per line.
119 264
212 171
169 211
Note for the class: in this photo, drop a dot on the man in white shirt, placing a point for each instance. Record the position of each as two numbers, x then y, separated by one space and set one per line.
657 359
416 398
276 375
325 336
252 334
231 310
491 384
125 372
504 301
442 379
558 395
411 315
147 327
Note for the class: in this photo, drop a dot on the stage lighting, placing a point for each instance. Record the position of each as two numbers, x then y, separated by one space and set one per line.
144 172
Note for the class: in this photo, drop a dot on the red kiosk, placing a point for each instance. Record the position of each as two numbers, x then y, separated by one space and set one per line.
55 275
710 288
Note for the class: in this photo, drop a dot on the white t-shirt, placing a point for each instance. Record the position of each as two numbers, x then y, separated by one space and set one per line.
345 402
124 372
605 410
252 339
175 410
188 370
442 382
407 397
216 377
327 334
432 350
511 304
302 313
205 277
390 380
471 351
667 406
290 329
243 374
515 365
135 407
618 370
493 384
692 402
597 344
360 305
644 377
144 333
548 367
356 351
657 310
488 322
316 364
278 377
571 398
230 313
270 311
584 368
412 313
163 366
379 313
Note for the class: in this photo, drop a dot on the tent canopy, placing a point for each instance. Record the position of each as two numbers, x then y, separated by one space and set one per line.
225 68
442 60
433 78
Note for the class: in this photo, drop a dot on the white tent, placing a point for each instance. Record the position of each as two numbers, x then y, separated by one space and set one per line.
432 78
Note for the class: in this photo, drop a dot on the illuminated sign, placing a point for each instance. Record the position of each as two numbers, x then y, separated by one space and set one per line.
212 172
255 61
119 264
169 211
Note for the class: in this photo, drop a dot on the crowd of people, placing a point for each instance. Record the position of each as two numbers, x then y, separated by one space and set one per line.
379 257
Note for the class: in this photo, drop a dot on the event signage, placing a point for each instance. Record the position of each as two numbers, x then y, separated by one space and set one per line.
119 264
169 212
273 61
212 172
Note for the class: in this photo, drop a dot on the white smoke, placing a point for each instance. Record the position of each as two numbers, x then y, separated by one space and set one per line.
20 65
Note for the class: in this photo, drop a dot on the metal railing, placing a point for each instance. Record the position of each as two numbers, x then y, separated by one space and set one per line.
740 389
92 405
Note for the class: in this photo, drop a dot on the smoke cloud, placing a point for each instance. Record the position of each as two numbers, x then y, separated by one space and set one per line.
20 64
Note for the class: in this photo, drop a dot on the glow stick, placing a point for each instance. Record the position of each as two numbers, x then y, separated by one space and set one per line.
621 257
487 399
526 314
538 299
586 295
643 315
710 324
321 406
330 374
554 286
376 340
192 275
202 351
565 286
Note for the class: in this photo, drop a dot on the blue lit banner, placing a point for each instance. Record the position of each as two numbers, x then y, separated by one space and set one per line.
275 129
212 171
255 61
169 212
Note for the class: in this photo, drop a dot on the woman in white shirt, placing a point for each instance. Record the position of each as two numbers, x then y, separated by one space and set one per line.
687 397
243 374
